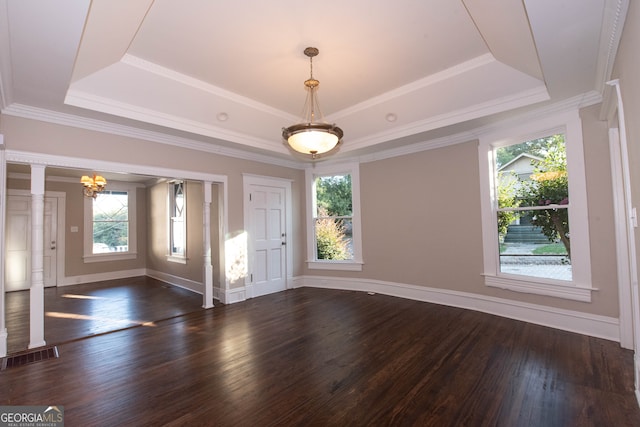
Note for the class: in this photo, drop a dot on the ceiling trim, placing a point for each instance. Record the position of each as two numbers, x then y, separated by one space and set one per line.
134 112
167 73
16 156
521 99
615 12
574 103
34 113
66 179
430 80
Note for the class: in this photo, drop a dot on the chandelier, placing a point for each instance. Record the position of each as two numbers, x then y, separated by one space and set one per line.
93 186
311 136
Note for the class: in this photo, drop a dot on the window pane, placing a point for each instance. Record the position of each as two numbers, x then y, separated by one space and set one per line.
537 244
178 197
176 221
111 222
333 216
334 239
177 236
533 173
333 196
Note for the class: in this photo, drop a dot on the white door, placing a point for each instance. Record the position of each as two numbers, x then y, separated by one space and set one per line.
18 242
50 241
268 239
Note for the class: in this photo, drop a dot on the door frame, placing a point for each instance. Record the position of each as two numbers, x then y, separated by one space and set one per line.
249 180
60 226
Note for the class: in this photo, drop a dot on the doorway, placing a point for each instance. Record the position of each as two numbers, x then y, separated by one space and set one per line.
18 241
268 225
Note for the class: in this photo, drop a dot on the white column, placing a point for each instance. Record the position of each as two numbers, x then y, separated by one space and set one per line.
207 294
3 210
36 326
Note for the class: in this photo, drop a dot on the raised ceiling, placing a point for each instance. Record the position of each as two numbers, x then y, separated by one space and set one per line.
230 74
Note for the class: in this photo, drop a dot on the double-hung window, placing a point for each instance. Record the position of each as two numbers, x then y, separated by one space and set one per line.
177 221
109 224
333 206
534 211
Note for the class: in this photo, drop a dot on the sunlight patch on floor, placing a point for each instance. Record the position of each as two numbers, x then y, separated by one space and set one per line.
76 316
76 296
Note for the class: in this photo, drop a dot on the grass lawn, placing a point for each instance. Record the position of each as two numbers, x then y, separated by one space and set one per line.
550 249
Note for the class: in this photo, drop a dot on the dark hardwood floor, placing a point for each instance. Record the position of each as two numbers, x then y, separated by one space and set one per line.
79 311
315 357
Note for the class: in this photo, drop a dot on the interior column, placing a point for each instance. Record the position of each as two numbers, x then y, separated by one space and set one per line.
3 201
36 293
207 294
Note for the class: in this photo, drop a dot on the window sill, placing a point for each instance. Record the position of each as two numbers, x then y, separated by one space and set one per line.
335 265
177 259
552 288
119 256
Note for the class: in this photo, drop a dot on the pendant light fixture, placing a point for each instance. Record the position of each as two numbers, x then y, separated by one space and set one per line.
93 186
310 136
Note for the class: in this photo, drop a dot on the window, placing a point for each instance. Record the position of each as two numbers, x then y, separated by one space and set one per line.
110 225
177 222
333 204
533 188
532 185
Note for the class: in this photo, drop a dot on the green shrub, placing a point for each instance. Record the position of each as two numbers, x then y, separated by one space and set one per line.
330 239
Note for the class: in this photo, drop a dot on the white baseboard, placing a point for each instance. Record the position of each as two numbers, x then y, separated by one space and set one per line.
99 277
567 320
230 296
572 321
181 282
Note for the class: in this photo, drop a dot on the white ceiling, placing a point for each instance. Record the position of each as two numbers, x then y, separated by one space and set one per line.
438 66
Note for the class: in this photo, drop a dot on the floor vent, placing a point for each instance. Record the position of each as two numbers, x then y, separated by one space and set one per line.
30 357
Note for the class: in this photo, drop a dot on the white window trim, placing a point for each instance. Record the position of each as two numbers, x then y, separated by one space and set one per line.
352 169
89 256
579 288
173 257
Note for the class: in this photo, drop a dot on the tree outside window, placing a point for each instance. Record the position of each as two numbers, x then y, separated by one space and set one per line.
334 218
111 222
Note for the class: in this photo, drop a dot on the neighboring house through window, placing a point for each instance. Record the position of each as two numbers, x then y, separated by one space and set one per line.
109 226
333 206
533 191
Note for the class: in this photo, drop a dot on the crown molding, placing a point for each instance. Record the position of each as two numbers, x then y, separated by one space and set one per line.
414 86
135 112
499 105
34 113
574 103
581 101
615 12
66 179
23 111
30 158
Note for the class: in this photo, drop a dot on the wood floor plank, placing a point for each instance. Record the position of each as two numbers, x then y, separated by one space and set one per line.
73 312
315 357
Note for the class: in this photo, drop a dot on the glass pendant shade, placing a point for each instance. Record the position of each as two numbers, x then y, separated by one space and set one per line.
313 138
